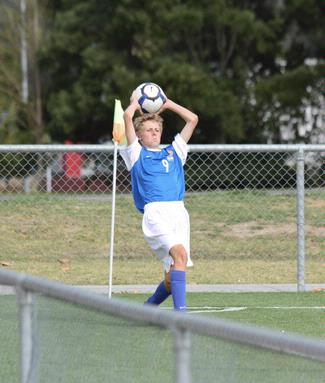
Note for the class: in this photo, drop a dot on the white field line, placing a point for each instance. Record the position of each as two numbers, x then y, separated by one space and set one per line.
293 307
218 309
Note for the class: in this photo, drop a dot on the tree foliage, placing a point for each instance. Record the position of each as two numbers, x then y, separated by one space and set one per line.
241 65
9 76
20 119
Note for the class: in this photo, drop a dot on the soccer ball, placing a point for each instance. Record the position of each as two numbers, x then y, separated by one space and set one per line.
150 97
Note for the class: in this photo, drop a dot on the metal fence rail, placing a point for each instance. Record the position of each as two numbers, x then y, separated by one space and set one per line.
254 176
180 324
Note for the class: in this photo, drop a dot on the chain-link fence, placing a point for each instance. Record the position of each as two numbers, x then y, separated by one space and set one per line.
254 211
121 341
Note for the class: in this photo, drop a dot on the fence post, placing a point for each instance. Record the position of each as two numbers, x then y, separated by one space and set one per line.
300 220
48 179
182 347
26 306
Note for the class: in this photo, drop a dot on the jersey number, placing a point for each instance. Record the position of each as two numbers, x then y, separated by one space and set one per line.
165 165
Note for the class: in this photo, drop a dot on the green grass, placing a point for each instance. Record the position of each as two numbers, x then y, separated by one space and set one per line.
76 345
236 237
309 322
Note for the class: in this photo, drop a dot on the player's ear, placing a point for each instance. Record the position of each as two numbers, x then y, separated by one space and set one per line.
139 134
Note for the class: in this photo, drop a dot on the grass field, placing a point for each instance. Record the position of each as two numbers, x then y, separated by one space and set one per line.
76 345
236 237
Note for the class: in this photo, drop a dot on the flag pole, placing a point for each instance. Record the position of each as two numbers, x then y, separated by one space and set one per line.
111 252
118 137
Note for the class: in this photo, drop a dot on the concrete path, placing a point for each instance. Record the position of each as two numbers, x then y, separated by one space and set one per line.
147 289
192 288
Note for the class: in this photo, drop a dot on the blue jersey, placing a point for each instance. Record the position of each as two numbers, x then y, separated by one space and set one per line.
157 175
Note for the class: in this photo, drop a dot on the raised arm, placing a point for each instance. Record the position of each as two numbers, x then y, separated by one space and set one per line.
190 118
128 120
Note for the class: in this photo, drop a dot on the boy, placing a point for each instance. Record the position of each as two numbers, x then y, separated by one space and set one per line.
158 188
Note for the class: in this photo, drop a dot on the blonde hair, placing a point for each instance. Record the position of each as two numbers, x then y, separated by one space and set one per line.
138 121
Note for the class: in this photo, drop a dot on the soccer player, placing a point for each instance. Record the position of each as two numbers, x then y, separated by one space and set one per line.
158 188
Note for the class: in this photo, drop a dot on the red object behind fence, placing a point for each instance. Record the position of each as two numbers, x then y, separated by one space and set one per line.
72 163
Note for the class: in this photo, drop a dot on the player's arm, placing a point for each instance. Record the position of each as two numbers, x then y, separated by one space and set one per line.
190 118
128 120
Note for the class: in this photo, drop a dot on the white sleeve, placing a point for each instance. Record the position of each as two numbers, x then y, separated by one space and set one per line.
130 154
180 147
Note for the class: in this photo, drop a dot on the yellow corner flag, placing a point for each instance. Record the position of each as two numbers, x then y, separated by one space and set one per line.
118 125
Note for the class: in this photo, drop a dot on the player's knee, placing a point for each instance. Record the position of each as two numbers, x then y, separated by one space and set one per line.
179 255
182 257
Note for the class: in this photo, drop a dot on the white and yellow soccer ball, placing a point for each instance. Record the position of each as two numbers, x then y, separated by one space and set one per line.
150 97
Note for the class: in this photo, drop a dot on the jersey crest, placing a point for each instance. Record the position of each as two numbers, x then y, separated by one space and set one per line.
170 156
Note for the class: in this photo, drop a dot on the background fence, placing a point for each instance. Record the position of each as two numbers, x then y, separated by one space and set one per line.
254 211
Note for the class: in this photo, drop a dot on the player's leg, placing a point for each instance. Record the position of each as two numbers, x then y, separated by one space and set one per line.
160 295
177 276
166 229
175 281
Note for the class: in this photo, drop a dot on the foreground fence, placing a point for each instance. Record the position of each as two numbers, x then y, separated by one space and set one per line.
257 204
248 353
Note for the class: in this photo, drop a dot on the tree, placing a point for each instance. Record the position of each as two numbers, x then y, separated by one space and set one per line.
290 99
9 73
20 116
235 63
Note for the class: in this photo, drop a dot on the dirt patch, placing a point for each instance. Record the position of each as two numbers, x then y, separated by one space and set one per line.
315 231
254 229
315 203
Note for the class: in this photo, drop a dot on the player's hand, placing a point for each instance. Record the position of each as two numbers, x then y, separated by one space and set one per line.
133 98
134 102
164 106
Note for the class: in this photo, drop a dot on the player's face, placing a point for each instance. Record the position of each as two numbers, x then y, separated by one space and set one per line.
150 134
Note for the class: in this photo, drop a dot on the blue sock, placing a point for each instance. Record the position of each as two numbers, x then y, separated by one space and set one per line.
159 295
178 285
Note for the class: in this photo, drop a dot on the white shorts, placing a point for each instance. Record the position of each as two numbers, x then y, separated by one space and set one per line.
164 225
